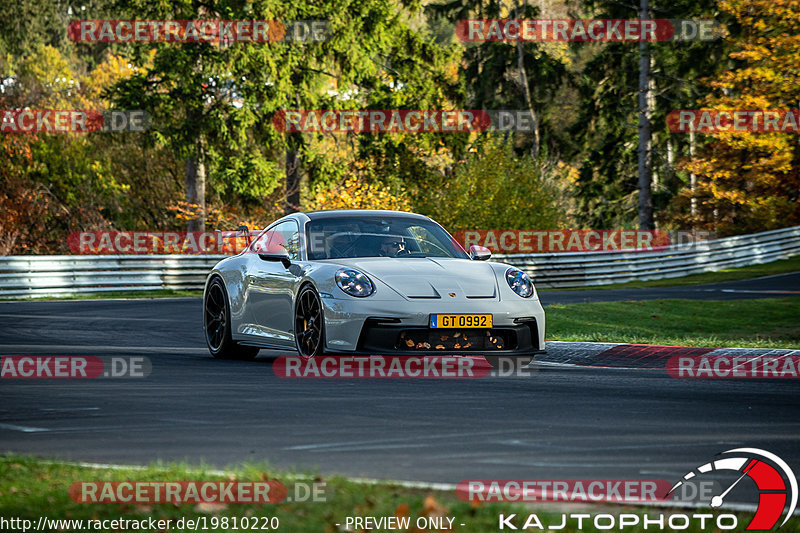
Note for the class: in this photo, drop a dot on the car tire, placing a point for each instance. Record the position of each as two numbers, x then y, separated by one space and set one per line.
217 325
309 323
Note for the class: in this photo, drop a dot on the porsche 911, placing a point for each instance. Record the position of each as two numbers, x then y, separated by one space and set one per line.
369 282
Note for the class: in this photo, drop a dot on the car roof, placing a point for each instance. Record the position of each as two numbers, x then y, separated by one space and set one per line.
346 213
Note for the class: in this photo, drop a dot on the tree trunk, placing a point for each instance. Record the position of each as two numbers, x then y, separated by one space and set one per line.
292 181
196 187
645 154
295 142
693 181
528 101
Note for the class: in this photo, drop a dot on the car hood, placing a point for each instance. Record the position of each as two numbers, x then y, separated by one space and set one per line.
431 277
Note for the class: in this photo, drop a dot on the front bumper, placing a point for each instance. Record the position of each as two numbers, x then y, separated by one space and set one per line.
382 326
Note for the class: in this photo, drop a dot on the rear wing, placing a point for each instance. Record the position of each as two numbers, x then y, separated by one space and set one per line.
241 231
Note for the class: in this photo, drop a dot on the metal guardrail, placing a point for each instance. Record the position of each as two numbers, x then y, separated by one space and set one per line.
581 269
57 275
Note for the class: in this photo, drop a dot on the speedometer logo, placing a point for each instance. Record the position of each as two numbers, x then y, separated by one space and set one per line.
772 476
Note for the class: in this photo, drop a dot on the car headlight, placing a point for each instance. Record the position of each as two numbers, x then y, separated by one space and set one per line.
519 282
354 283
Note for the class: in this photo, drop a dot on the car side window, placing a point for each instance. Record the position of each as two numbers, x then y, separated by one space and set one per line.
285 235
260 244
423 241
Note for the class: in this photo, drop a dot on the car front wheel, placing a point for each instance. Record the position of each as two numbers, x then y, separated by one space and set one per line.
309 329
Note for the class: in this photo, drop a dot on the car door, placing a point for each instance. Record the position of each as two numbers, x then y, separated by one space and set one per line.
270 286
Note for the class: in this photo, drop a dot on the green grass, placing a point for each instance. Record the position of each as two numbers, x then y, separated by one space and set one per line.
30 488
783 266
161 293
762 323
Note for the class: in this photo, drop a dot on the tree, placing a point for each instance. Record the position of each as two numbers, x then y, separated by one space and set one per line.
213 104
510 75
199 97
493 188
750 181
606 128
23 202
373 59
64 180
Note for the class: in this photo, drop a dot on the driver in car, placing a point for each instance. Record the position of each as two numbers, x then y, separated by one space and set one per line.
392 246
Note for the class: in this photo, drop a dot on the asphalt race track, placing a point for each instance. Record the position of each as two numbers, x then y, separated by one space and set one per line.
558 422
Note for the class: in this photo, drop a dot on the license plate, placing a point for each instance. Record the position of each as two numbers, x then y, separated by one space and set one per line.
461 321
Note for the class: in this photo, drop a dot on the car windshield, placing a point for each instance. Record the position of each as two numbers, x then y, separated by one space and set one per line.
378 236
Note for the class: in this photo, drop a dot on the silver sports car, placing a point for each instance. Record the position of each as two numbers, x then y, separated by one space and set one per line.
369 282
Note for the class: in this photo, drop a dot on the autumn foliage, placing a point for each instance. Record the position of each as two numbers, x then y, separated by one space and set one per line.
22 201
749 182
214 105
355 193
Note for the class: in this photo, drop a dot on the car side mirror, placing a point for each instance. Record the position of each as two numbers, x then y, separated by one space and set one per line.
282 256
479 253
